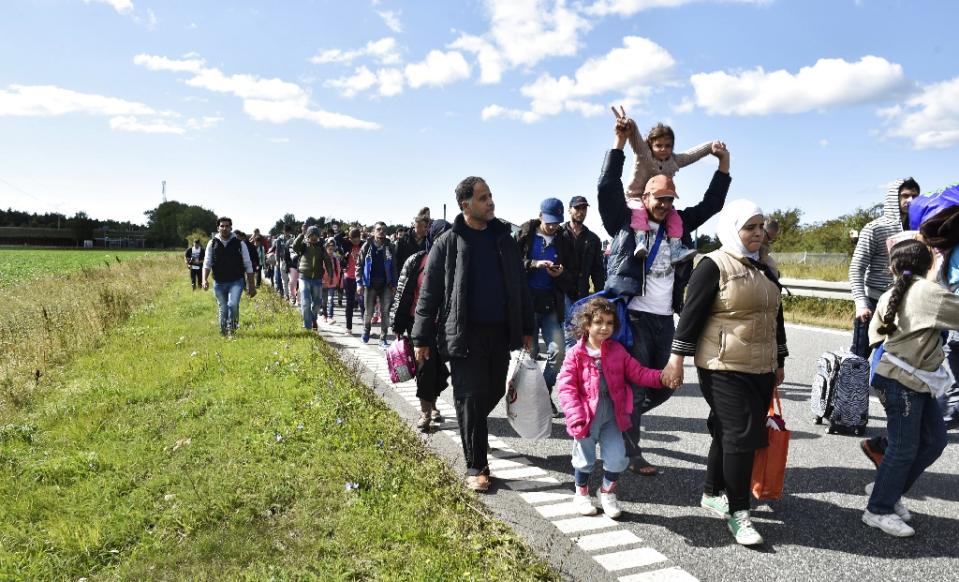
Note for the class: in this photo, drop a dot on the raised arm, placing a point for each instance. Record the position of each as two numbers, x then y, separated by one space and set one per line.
715 196
695 154
610 193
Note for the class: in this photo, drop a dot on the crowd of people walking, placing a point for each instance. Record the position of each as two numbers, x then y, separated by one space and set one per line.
468 292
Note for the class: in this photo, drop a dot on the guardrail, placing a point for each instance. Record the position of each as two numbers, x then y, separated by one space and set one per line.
815 288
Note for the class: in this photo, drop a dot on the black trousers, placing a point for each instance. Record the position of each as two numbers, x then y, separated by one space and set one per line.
431 376
738 403
479 382
196 277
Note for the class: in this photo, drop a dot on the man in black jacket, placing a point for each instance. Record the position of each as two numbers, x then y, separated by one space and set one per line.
586 264
653 286
546 257
414 241
475 302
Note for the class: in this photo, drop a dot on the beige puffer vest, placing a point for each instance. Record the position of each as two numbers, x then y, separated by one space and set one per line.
740 335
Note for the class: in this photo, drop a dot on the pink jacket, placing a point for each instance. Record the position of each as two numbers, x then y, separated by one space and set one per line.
578 385
333 280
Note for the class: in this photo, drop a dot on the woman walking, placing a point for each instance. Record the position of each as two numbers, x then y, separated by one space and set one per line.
733 324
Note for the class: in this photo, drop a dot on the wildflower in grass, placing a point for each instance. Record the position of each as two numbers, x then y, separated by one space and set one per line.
351 486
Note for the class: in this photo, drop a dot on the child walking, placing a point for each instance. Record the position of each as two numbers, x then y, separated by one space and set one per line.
594 394
655 157
909 376
332 280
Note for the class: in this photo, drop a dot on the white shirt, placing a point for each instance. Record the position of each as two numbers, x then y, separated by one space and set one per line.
659 289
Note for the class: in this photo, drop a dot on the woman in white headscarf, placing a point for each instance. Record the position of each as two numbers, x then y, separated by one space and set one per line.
732 324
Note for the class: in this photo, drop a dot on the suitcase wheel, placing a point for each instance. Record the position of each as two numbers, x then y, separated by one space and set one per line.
818 420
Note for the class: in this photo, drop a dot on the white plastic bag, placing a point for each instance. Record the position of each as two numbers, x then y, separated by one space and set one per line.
527 399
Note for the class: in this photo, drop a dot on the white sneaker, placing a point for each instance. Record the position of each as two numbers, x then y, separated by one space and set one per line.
582 502
609 502
742 529
899 508
890 523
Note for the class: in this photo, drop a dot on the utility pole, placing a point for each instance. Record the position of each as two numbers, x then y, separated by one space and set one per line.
163 189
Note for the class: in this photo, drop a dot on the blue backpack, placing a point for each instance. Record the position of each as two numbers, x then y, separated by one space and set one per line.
623 333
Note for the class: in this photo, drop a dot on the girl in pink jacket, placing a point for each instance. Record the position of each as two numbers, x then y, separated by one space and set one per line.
597 400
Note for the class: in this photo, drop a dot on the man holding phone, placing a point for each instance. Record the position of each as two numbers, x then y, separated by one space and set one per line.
545 257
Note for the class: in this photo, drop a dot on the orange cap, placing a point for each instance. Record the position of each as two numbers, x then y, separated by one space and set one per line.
661 186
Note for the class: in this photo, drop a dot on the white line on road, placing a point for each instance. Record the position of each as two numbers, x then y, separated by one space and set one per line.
630 559
673 574
609 539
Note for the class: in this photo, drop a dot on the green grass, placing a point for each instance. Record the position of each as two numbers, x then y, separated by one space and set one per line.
170 453
836 313
825 272
18 266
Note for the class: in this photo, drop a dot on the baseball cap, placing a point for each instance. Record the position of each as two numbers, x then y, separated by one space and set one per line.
577 201
661 186
552 210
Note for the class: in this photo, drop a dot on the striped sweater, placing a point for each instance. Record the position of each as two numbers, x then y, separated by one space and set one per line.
869 269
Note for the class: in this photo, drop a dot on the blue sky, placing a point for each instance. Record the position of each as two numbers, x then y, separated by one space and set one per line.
373 109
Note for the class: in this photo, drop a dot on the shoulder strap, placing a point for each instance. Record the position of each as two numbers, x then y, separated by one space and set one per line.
652 252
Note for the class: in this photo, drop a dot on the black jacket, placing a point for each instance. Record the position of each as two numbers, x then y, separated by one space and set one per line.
587 261
442 309
562 285
403 298
405 248
189 255
626 275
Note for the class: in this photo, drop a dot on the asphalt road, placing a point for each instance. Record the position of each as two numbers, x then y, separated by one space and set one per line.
813 533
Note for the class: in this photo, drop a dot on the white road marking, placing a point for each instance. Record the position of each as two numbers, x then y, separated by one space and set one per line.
609 539
630 559
522 472
577 524
535 497
557 509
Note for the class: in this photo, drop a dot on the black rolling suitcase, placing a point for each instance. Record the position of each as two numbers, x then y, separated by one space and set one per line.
840 392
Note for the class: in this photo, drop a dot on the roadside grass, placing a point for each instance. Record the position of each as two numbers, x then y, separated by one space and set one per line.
22 265
170 453
835 313
44 323
821 272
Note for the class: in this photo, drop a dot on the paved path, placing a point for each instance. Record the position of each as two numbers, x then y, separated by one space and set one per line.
814 532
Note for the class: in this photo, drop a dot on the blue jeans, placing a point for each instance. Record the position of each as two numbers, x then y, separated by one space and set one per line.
652 340
605 432
548 325
311 300
330 299
917 437
228 301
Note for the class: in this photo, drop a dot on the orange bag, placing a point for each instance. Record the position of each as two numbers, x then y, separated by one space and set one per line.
769 465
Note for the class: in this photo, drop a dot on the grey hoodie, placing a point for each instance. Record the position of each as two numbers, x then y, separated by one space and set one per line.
869 269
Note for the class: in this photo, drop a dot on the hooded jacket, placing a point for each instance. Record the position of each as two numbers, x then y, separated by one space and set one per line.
443 307
625 274
869 268
578 385
364 263
586 263
313 261
405 291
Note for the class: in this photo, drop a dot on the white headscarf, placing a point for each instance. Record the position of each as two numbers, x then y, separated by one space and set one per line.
734 216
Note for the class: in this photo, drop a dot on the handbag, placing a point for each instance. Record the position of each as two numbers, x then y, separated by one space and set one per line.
400 360
527 399
769 464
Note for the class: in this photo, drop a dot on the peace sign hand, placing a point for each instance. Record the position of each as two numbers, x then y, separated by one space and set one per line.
624 127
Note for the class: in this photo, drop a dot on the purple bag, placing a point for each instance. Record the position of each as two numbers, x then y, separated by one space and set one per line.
400 360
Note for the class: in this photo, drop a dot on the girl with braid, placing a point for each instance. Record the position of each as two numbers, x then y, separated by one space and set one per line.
911 317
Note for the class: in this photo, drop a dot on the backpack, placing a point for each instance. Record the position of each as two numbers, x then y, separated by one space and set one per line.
840 392
623 333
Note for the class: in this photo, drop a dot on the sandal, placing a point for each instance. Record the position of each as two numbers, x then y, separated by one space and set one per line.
641 466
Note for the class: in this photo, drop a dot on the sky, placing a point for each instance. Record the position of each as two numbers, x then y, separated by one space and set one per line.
372 109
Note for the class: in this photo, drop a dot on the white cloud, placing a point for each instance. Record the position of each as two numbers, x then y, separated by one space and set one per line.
121 6
392 19
522 33
631 70
152 19
133 124
279 140
824 143
205 122
271 100
383 51
828 83
438 69
50 101
930 119
361 80
390 81
631 7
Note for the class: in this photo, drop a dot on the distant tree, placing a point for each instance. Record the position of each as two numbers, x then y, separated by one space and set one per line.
203 235
170 222
82 226
707 244
288 219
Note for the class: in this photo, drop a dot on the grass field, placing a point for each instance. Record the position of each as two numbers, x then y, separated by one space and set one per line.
166 452
22 265
827 272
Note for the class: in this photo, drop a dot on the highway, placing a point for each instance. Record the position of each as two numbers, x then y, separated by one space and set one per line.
813 533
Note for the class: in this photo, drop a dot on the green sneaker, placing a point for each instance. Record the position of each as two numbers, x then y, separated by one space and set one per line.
742 528
718 504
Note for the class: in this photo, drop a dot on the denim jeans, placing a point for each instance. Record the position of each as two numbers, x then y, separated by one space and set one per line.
228 300
949 402
860 333
385 299
548 325
311 300
605 432
917 437
652 340
281 280
330 300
